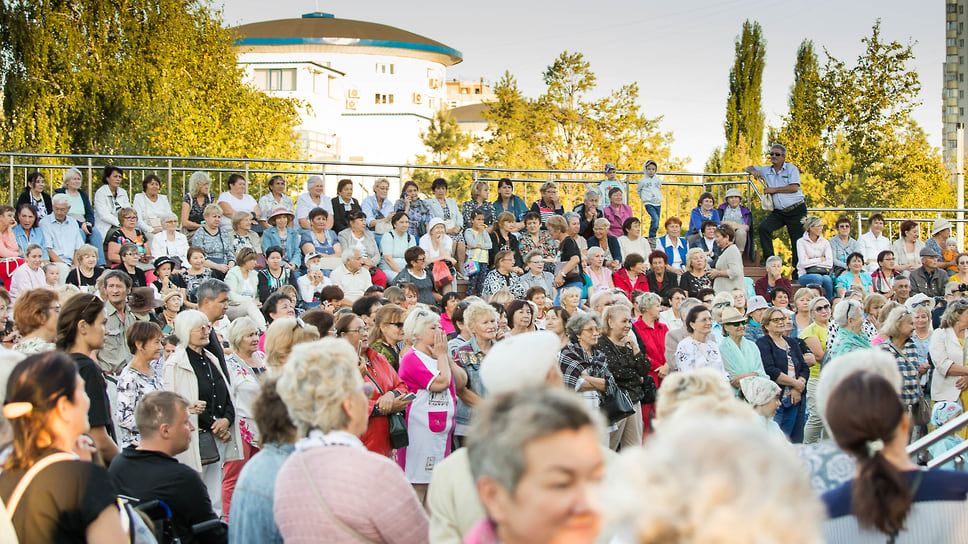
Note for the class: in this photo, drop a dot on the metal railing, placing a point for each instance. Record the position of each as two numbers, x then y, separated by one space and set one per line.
918 448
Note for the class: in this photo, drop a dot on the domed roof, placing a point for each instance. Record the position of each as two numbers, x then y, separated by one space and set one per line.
326 30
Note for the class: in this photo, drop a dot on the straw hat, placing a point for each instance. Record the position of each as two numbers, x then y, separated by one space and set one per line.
939 225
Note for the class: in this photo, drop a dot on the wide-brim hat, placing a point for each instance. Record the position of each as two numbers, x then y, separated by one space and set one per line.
280 211
163 260
434 222
733 192
142 300
939 225
731 315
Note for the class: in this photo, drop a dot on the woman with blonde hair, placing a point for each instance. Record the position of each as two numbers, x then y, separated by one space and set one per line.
481 321
242 234
479 201
630 366
196 199
948 355
215 240
387 333
282 335
243 282
784 363
801 307
328 484
695 278
434 377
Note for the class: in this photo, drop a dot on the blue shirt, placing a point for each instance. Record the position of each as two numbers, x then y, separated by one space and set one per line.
35 236
62 238
787 175
251 519
373 211
517 208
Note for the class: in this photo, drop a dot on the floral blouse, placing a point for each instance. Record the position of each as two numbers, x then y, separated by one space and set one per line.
419 215
546 244
192 281
471 206
692 354
132 386
245 388
197 212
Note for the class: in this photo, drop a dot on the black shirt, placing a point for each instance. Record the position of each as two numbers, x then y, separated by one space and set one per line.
138 278
568 249
99 414
212 389
152 475
61 501
74 277
670 281
215 348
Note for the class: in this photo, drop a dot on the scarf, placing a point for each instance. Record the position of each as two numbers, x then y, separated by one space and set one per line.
317 438
848 341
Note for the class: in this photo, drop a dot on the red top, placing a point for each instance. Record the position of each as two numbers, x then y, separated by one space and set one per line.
654 339
377 435
622 281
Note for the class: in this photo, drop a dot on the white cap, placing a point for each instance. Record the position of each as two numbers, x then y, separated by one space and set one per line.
756 303
520 362
917 299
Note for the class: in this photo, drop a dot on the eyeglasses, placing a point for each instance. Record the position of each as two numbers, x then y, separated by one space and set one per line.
776 154
924 304
396 323
593 330
359 330
722 304
778 320
202 328
738 323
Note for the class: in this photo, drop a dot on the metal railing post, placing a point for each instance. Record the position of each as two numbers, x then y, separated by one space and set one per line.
11 180
90 178
169 179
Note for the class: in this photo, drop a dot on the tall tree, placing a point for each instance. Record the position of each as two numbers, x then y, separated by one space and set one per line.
804 125
513 121
744 111
134 77
444 138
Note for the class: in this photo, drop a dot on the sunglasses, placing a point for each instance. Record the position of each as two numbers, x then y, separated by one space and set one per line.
821 308
738 323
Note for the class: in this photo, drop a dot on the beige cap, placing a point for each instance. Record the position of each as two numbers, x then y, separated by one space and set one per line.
520 362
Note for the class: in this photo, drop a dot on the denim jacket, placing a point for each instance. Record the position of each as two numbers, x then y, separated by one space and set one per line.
469 357
270 237
251 518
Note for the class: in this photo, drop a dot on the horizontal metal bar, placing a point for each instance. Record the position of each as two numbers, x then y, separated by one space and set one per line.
948 455
949 210
944 431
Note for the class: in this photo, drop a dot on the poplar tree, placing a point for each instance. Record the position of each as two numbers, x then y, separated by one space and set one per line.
744 111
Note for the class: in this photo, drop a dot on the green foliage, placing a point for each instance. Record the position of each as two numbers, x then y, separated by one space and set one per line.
744 111
132 77
444 138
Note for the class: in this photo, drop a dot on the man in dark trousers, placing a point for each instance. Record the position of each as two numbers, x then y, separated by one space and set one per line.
781 180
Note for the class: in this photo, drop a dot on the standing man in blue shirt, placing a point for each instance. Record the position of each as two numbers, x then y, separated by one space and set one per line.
782 180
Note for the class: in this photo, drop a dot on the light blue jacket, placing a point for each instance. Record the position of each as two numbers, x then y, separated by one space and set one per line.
251 519
270 237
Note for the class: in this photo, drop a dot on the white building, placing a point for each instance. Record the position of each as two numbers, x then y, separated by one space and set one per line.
370 89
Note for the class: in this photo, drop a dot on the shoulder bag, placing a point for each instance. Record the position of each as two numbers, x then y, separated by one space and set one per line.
329 513
21 488
399 438
766 202
616 404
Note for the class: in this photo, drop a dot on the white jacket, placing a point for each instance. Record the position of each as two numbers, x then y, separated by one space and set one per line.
945 350
179 377
105 212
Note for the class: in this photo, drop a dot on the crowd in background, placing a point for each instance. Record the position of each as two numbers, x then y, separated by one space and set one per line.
414 370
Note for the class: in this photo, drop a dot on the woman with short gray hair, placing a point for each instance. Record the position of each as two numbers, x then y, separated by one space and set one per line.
849 317
583 365
327 401
948 357
196 199
897 328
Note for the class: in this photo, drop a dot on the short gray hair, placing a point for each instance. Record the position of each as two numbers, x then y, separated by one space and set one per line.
379 181
185 323
648 300
71 172
61 198
506 423
315 380
601 222
594 251
953 312
891 323
548 185
843 310
312 181
781 147
578 321
568 215
210 289
418 320
349 253
687 305
596 298
591 193
195 182
773 258
239 329
811 221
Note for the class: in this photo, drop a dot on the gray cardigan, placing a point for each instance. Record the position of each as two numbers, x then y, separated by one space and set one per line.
347 240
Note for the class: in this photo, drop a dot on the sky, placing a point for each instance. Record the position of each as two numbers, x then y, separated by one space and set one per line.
679 53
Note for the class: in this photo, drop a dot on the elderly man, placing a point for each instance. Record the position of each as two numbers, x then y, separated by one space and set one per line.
62 234
311 199
150 471
902 290
929 279
588 212
115 286
352 278
782 182
213 301
873 242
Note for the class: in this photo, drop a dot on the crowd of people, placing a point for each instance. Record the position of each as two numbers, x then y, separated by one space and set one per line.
324 369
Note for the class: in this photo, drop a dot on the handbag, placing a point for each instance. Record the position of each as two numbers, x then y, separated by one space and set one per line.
920 410
399 438
766 202
207 449
616 404
649 391
818 270
471 268
442 275
570 277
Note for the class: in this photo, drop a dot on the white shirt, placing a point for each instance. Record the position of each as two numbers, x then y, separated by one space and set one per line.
106 208
305 204
244 204
151 214
25 279
161 246
352 284
870 246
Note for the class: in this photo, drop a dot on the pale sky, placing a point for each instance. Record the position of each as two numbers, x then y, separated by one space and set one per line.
680 53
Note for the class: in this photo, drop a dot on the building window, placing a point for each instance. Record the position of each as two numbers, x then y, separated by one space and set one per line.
952 144
384 68
276 79
961 9
952 110
383 98
961 77
951 42
952 8
952 25
952 59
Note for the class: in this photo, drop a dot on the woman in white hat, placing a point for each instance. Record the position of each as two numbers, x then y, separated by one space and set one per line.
737 216
741 356
438 246
940 232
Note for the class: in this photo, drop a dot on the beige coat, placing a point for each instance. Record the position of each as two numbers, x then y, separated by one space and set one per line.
179 377
731 262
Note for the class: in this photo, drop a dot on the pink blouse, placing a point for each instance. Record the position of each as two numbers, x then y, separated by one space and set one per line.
617 218
8 244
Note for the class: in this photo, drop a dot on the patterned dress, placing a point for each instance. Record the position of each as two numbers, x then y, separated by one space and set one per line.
132 386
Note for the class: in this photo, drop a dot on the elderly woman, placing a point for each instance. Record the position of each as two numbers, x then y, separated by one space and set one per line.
632 275
502 239
815 337
660 277
243 282
279 233
169 242
196 200
242 234
194 373
520 316
923 326
417 275
35 316
632 240
814 255
948 382
482 324
127 233
849 317
130 258
651 335
555 320
733 213
570 300
898 327
883 278
534 238
568 270
327 400
502 277
600 275
741 357
276 199
766 285
46 392
395 244
152 206
843 245
439 246
907 248
137 378
215 240
320 238
386 397
387 333
697 349
86 271
617 212
854 278
344 203
704 211
236 199
196 273
310 200
27 230
783 362
274 275
447 210
695 278
630 367
357 236
434 377
673 245
378 208
416 209
536 275
283 334
81 209
608 243
583 365
507 201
